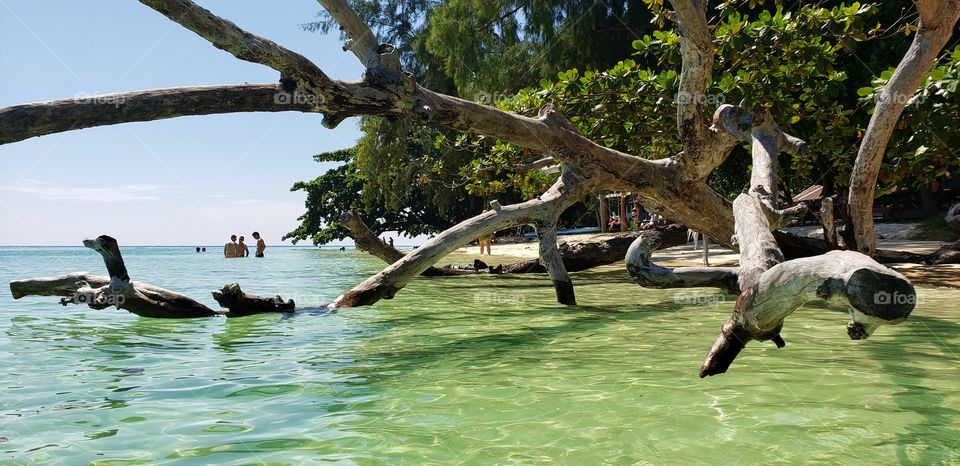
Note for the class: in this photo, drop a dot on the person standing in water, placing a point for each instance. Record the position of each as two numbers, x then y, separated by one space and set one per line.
242 249
261 245
231 249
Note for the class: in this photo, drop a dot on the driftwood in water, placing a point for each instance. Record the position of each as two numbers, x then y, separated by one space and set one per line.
645 273
772 288
368 242
245 304
577 256
117 290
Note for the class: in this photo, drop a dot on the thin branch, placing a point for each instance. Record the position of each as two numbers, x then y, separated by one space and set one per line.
246 46
19 122
362 42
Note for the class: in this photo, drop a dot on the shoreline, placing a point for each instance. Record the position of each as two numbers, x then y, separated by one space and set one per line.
686 256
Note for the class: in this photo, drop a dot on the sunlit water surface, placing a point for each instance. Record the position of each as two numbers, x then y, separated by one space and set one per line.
479 370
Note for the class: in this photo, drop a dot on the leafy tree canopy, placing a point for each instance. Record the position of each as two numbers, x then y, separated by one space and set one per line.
817 66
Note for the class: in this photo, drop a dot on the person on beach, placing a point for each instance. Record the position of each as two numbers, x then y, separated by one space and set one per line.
243 250
261 245
231 249
485 241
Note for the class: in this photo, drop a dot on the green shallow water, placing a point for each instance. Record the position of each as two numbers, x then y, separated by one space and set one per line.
477 370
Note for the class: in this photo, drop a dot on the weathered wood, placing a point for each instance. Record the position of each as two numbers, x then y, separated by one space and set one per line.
19 122
875 295
551 259
937 18
366 241
953 217
587 254
946 254
123 294
145 300
648 274
244 304
362 42
771 289
227 36
568 189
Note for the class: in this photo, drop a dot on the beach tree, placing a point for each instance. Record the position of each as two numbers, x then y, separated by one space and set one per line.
770 286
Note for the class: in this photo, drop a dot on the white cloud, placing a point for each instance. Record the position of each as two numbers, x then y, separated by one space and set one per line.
53 192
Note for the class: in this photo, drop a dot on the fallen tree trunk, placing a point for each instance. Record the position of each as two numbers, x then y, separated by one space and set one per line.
645 273
772 288
673 187
577 256
947 254
145 300
366 241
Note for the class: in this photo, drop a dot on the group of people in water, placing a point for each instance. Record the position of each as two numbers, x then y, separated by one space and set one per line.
240 249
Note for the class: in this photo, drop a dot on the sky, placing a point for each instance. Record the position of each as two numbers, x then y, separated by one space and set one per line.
182 181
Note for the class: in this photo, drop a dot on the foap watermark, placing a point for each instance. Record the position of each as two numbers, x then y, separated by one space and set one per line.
684 98
109 299
298 98
498 298
887 298
690 299
490 99
900 98
99 99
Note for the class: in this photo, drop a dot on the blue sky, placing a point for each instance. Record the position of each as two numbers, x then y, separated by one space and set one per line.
183 181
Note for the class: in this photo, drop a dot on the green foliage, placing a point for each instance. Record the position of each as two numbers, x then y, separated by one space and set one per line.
791 62
924 144
811 64
328 195
470 46
355 185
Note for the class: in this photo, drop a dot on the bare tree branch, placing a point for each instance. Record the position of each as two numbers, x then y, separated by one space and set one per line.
19 122
362 42
937 18
227 36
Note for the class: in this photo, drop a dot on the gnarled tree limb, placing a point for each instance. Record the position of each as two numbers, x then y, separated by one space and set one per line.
772 288
646 273
19 122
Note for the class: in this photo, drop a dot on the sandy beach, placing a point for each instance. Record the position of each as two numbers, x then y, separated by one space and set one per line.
687 256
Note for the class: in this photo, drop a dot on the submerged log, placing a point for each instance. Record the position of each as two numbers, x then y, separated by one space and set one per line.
245 304
118 290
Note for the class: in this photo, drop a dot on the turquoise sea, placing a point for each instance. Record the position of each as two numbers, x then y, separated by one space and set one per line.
477 370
